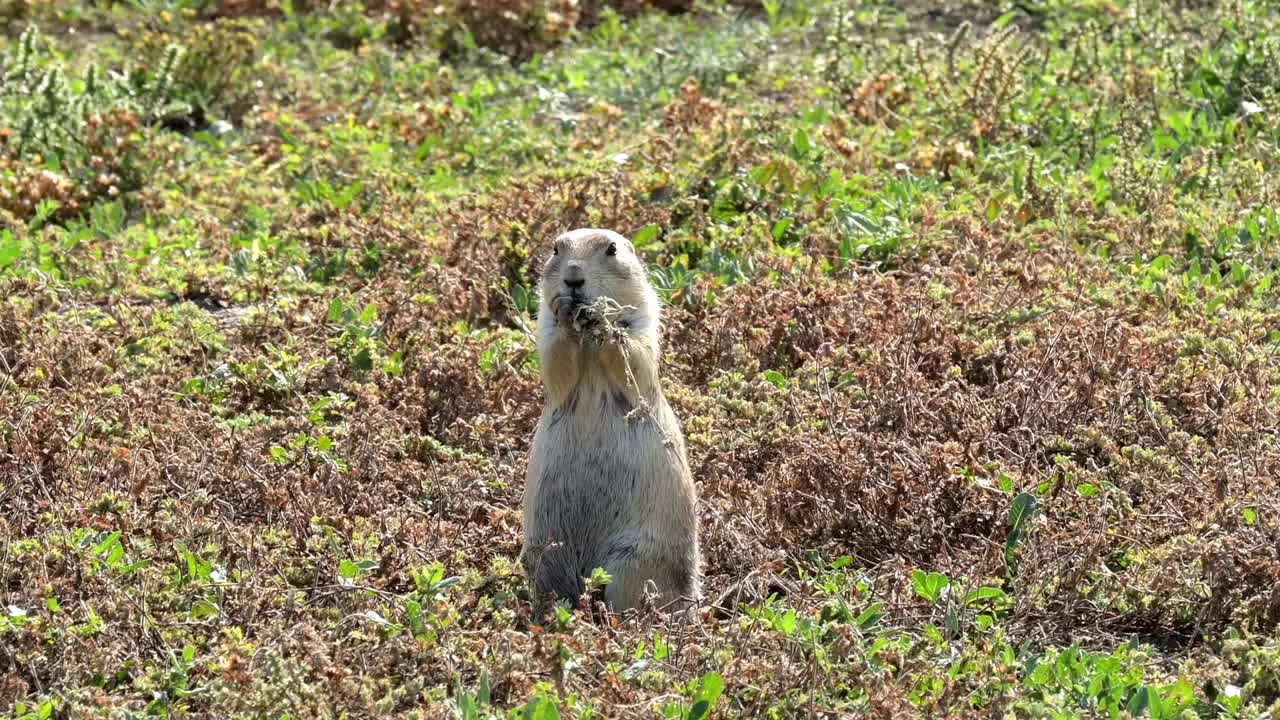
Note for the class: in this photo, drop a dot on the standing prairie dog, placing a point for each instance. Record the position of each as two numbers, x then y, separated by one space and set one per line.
608 484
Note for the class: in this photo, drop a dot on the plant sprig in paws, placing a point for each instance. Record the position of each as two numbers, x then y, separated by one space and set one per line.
599 323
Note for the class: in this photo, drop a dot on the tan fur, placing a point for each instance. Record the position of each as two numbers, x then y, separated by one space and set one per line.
604 489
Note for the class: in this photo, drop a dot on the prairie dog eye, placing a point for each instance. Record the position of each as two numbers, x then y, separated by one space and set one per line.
613 249
555 249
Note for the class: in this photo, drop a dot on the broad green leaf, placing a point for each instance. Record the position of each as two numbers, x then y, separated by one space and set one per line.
709 690
134 567
647 234
541 708
1021 512
788 623
929 585
780 228
801 143
1140 702
870 616
9 250
1005 19
362 360
104 548
984 595
203 610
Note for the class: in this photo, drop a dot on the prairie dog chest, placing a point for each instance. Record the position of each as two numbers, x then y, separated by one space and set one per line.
599 434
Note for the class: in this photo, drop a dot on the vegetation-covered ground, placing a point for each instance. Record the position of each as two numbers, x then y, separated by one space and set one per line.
972 326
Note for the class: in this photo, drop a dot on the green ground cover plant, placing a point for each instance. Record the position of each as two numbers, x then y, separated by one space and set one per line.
971 321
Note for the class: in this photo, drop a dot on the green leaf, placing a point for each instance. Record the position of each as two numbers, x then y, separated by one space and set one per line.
801 144
394 365
780 228
541 708
132 568
466 705
104 548
1021 512
986 595
929 585
425 149
9 250
362 360
1250 516
203 610
994 208
709 690
193 566
336 308
1140 701
348 569
207 138
776 379
647 234
660 648
279 455
44 211
784 623
870 616
599 579
413 611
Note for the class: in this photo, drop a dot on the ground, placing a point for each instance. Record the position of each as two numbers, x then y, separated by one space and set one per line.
971 324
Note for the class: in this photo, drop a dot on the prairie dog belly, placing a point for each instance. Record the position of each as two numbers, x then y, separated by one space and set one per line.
601 491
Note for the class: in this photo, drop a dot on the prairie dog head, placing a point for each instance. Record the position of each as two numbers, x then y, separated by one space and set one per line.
587 264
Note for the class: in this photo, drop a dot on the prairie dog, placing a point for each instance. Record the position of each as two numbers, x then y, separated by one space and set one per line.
608 480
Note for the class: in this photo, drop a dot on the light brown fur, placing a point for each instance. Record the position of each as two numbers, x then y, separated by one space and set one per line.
608 482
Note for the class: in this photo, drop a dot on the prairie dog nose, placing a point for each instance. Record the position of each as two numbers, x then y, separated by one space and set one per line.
573 276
